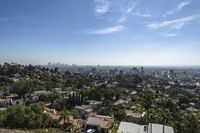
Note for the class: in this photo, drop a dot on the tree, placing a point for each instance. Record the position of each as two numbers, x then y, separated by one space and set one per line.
190 123
167 103
139 108
147 98
56 69
114 127
43 97
165 116
184 99
73 99
22 87
21 116
37 108
2 118
151 116
1 88
65 116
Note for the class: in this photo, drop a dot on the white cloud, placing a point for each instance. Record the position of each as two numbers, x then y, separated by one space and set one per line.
107 30
169 34
125 9
183 4
178 8
174 24
139 14
129 9
120 11
102 7
123 18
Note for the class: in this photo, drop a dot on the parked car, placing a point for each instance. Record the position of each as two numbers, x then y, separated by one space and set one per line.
91 131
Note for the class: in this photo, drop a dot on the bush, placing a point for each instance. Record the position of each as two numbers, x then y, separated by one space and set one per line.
21 116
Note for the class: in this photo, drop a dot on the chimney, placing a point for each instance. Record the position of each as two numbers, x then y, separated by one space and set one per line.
163 128
147 129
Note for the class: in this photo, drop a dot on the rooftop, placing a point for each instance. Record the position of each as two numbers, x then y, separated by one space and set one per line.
127 127
83 107
100 121
158 128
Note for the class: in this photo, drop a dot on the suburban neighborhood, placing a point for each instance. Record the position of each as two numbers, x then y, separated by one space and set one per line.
135 101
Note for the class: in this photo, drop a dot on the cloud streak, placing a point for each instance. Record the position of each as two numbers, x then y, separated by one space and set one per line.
130 10
107 30
183 4
125 10
178 8
120 11
139 14
174 24
169 34
102 7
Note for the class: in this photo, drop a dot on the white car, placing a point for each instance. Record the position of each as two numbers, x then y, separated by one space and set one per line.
91 131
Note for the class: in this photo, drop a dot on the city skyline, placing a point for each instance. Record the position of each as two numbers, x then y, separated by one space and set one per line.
104 32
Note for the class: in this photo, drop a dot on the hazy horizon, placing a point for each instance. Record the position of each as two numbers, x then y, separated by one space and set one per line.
104 32
96 65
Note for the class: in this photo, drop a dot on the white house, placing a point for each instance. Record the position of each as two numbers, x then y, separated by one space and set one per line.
127 127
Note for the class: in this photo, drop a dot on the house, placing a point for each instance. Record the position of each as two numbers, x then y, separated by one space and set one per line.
60 91
52 113
55 116
57 90
65 94
3 109
83 111
192 110
5 102
133 92
133 114
100 123
137 117
94 104
120 102
127 127
159 128
78 123
36 94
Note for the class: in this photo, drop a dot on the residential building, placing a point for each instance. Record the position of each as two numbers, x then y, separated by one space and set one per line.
83 110
127 127
100 123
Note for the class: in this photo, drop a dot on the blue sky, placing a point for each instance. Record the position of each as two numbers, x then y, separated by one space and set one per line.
105 32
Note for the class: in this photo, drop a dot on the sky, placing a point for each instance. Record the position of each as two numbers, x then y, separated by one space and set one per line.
105 32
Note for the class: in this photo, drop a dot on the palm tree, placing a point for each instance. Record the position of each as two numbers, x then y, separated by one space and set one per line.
65 116
75 129
114 128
